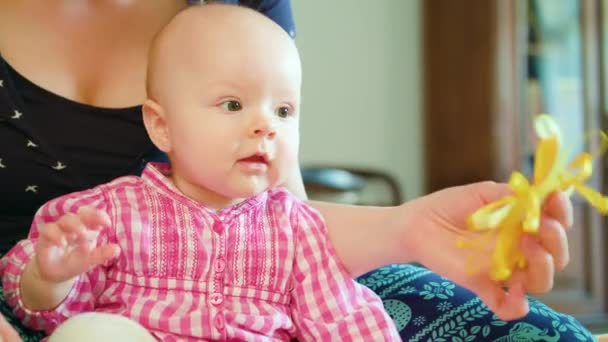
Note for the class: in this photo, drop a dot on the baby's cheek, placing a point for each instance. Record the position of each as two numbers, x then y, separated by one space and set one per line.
280 174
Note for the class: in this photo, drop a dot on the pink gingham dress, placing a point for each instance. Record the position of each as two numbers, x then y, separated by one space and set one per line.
263 269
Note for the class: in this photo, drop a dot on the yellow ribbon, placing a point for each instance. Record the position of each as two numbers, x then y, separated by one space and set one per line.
507 219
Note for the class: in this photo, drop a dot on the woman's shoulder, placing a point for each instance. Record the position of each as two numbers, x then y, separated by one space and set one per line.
277 10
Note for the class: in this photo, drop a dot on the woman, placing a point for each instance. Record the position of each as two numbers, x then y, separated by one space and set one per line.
72 119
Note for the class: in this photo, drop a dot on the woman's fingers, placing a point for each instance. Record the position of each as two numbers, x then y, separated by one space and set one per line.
537 277
546 253
554 240
559 207
507 305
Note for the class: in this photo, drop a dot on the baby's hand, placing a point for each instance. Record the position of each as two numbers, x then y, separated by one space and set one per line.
440 222
68 247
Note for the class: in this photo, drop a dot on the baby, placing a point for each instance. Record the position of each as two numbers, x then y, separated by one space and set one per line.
208 248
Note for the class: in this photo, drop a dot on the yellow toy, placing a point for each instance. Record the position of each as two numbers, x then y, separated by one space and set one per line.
510 217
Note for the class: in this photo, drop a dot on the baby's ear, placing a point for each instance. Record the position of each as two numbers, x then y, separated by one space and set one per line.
156 125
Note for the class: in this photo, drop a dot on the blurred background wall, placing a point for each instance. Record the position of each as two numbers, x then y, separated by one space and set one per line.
362 90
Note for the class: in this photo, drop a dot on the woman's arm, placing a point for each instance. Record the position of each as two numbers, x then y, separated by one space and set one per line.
364 238
426 230
7 332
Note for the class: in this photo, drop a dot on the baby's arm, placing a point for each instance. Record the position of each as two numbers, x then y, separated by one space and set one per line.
44 276
327 304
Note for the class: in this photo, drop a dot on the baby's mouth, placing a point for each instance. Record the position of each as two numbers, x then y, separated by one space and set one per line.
256 158
257 163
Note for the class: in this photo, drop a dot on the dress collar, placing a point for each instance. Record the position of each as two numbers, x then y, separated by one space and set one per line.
157 175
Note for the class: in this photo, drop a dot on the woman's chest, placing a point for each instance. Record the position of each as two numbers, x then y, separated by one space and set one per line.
94 53
50 146
109 80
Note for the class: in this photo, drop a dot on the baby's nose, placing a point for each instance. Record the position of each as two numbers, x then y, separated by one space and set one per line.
264 127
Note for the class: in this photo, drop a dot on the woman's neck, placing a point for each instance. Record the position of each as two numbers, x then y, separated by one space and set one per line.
154 13
94 51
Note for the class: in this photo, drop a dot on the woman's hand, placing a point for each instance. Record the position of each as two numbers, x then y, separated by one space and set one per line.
440 220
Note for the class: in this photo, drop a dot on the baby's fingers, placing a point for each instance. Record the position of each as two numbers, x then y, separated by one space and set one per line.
94 219
79 228
83 258
103 253
74 230
51 233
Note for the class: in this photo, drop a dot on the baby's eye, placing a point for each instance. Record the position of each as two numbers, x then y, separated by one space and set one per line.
284 111
232 105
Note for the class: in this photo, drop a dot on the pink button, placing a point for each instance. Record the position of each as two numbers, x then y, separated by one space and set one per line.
218 227
220 265
219 322
216 299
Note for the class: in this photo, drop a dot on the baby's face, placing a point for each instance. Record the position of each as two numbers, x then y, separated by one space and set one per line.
233 116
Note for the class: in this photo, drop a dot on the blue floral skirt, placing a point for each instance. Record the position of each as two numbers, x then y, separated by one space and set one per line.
427 307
